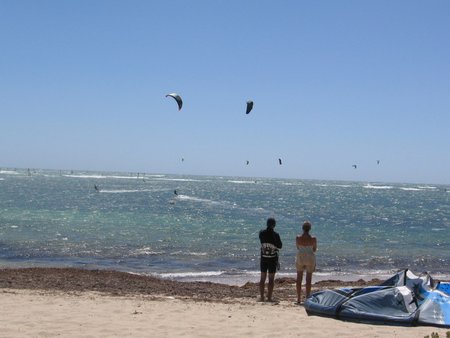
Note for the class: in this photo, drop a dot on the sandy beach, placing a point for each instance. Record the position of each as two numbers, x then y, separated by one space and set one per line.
83 303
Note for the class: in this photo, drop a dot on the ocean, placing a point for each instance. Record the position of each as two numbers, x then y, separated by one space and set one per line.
205 228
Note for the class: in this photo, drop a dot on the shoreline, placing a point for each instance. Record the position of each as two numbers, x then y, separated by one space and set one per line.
226 278
123 283
119 283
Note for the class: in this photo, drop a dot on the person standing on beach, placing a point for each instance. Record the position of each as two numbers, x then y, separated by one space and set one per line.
306 259
270 244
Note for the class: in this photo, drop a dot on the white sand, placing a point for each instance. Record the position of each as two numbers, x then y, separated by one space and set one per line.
39 314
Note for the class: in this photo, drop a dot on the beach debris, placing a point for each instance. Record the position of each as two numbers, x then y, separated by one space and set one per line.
249 106
177 98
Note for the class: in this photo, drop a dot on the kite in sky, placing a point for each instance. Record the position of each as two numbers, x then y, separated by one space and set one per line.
249 106
176 98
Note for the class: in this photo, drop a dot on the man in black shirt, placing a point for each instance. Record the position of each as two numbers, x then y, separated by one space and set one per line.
270 244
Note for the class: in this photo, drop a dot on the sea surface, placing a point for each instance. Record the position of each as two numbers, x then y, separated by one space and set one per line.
206 228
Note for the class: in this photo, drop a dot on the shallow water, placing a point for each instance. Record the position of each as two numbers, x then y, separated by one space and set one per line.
209 231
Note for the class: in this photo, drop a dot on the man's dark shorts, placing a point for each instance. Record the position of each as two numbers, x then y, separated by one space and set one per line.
269 264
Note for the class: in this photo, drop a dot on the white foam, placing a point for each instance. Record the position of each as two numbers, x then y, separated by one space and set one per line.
9 172
125 191
147 251
104 176
85 176
191 274
198 254
184 253
411 189
242 182
179 179
291 184
195 199
370 186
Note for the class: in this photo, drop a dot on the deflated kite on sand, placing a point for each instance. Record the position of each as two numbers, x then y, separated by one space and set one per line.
403 299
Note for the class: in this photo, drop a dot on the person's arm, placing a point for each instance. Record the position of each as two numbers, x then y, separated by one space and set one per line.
315 244
279 244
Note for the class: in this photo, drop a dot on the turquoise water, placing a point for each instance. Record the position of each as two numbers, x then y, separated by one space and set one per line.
209 231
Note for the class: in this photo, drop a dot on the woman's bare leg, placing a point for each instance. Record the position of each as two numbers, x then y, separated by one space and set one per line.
299 285
308 283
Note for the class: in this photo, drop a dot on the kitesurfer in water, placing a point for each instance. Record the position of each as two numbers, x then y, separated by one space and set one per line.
96 188
306 259
270 245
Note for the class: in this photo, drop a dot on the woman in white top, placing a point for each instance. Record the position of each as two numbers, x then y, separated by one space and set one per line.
306 259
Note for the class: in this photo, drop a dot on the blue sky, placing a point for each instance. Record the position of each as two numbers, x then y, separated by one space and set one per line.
334 83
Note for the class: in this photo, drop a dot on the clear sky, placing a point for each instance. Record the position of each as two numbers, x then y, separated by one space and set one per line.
334 83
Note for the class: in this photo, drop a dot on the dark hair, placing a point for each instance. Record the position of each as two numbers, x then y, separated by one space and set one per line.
306 226
271 223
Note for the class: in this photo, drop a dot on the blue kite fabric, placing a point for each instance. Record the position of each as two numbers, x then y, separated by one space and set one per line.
403 299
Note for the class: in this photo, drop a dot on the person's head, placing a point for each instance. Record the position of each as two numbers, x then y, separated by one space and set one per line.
306 226
271 223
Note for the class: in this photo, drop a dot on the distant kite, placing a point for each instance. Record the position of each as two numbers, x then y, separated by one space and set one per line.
249 106
354 166
248 162
378 161
177 98
279 161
